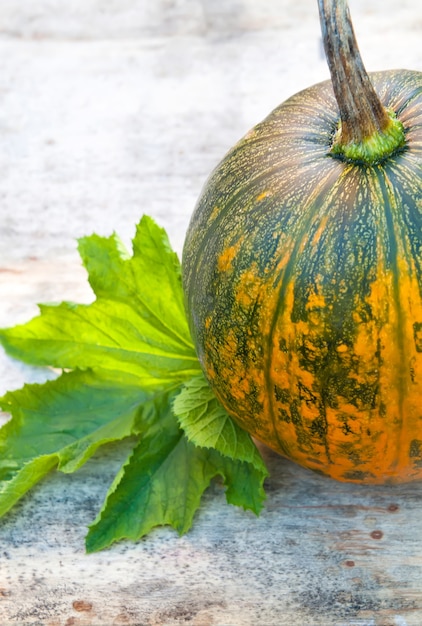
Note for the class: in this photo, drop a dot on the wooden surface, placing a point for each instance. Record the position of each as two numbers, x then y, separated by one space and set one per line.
110 109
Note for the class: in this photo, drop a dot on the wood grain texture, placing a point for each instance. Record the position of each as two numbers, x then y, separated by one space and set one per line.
108 110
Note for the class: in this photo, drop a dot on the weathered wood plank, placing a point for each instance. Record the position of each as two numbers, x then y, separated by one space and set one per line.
321 553
109 110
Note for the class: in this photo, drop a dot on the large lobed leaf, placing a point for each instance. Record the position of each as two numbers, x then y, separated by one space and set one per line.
165 477
61 424
132 368
137 323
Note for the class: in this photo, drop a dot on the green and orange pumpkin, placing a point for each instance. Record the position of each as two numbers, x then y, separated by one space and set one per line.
302 270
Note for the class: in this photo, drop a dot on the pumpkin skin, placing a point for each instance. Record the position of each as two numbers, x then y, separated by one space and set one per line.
303 282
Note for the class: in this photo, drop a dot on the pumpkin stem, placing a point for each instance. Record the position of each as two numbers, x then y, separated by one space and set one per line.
367 132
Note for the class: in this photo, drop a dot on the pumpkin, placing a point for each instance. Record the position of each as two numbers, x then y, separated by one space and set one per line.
302 271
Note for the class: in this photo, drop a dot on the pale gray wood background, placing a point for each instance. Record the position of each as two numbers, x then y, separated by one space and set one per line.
113 108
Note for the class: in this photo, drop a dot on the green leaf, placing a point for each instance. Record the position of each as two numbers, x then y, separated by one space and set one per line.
207 424
163 485
245 483
165 477
131 359
150 280
137 324
156 486
22 479
105 334
61 423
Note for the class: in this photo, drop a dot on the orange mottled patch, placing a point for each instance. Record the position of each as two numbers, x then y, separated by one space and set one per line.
214 213
342 348
248 287
263 195
319 231
226 258
315 301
